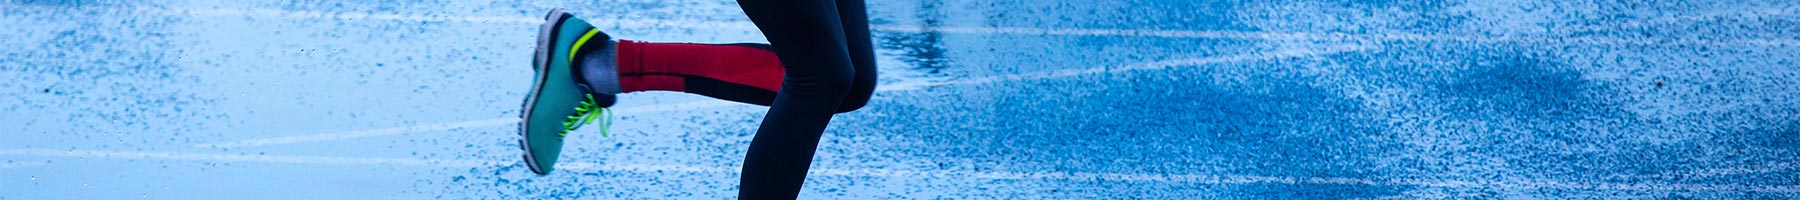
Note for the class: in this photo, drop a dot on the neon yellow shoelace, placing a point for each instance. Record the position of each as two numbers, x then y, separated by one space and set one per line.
584 114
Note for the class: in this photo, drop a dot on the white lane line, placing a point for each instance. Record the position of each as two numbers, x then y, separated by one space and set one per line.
1215 34
902 86
346 135
19 164
1212 34
348 16
1189 62
362 133
1706 173
1751 13
941 174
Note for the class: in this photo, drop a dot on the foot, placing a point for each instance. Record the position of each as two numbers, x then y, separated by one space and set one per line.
561 99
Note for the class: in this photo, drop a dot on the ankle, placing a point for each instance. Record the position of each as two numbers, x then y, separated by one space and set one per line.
597 65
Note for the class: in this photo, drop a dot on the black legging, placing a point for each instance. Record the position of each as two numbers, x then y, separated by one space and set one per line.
830 62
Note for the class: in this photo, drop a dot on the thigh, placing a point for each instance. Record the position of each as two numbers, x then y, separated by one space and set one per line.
802 32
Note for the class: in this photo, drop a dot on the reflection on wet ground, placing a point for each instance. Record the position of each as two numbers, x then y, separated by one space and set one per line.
981 99
923 50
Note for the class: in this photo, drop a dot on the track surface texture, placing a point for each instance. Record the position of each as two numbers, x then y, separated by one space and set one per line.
979 99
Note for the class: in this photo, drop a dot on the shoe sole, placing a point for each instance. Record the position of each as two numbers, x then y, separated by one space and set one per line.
552 22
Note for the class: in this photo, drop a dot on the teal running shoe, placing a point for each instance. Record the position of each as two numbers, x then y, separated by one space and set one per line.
561 100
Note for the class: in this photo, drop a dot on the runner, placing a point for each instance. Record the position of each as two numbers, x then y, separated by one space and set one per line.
819 62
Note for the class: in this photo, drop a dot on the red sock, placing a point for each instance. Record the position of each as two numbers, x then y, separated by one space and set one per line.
647 66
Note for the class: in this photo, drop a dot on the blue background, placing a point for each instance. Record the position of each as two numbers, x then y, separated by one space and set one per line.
1015 99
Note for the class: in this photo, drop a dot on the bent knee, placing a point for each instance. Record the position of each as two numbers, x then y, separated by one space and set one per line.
817 85
850 95
853 102
860 92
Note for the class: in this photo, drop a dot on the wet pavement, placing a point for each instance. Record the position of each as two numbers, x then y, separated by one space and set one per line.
1163 99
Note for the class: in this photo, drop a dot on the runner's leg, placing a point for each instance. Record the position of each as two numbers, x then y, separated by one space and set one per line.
744 72
747 73
808 37
855 18
829 68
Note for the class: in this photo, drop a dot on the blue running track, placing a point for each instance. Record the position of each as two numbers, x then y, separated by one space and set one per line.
980 99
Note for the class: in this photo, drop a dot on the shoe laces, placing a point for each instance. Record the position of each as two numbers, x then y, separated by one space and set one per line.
584 114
